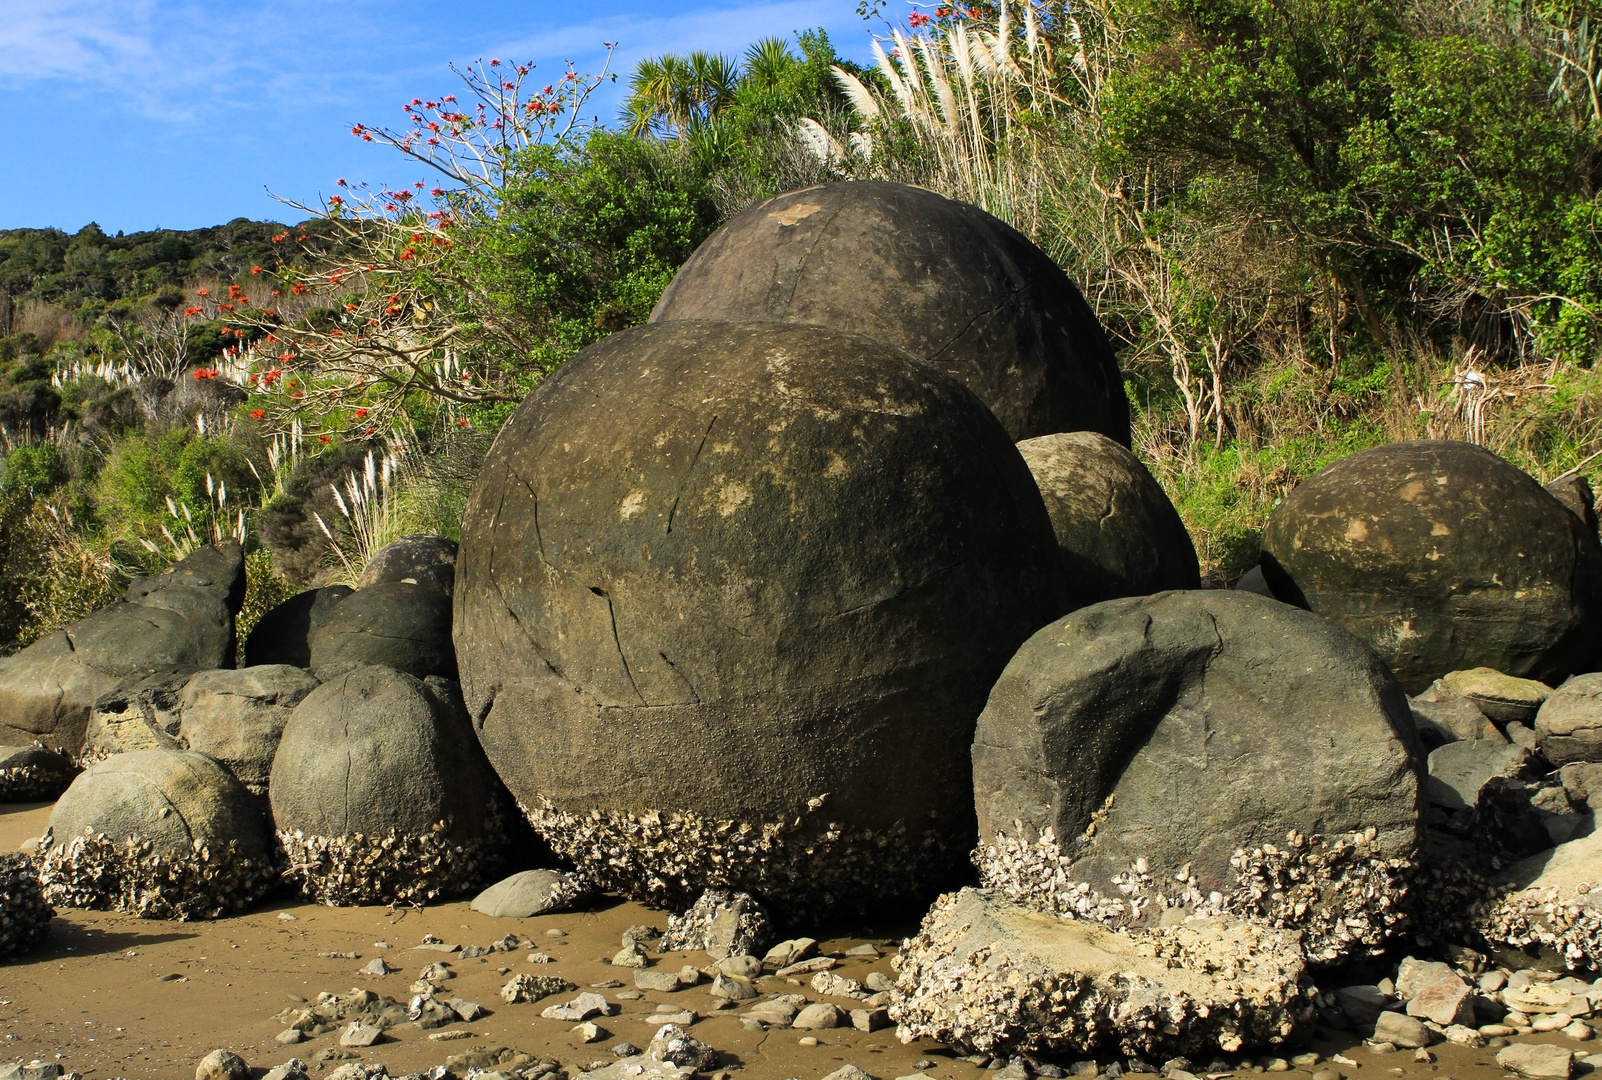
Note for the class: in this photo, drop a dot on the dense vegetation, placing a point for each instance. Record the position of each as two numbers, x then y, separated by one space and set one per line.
1310 227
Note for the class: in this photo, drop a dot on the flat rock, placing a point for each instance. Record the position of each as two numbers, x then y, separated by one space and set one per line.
1414 976
1453 719
1537 1061
819 1016
529 893
1445 1003
988 975
1503 698
1459 771
665 982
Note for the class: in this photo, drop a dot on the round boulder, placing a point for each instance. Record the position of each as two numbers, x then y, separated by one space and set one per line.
396 624
1442 556
422 559
1116 530
714 576
162 834
283 635
380 793
33 773
1204 752
941 279
237 717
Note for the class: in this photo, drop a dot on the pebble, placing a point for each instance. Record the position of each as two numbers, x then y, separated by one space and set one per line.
628 995
290 1036
449 1036
221 1065
663 982
807 1040
359 1034
626 1049
1579 1031
376 967
554 932
287 917
591 1033
683 1019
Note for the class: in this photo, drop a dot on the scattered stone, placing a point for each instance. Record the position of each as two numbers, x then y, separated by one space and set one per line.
869 1019
293 1069
1463 1035
164 834
807 1040
626 1049
674 1045
793 951
631 956
878 982
851 1072
526 987
1454 719
421 820
773 1013
1568 727
290 1036
590 1033
580 1008
1362 1004
376 966
222 1065
1131 825
1403 1031
1538 1061
682 1017
831 985
449 1036
732 988
665 982
989 975
358 1035
1444 1003
819 1016
530 893
468 1011
807 967
1460 771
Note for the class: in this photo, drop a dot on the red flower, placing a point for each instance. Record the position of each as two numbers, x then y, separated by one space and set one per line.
257 414
295 394
322 438
463 422
361 414
200 292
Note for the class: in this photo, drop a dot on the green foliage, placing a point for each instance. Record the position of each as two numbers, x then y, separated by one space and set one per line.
34 470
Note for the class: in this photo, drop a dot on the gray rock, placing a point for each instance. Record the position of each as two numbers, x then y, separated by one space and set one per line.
848 1072
1550 902
1441 556
357 1034
1538 1061
1406 1032
378 771
732 987
1414 976
1252 581
1503 698
208 850
720 923
238 717
1569 726
183 618
420 559
819 1016
1455 719
283 635
869 1019
741 966
673 1045
1139 747
529 893
33 773
878 982
1575 493
1445 1004
1362 1004
596 643
1117 532
394 623
661 981
988 308
790 952
222 1065
1460 771
987 975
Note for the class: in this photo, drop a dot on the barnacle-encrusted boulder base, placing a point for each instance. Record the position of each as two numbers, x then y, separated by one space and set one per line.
1442 556
163 834
1552 900
956 288
24 915
730 597
991 976
33 772
380 792
1201 752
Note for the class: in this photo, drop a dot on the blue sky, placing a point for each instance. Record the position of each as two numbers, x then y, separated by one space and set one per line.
140 114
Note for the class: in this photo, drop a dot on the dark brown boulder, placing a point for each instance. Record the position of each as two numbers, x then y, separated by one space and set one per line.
380 793
1442 556
283 635
1117 533
941 279
422 559
716 578
394 623
1200 752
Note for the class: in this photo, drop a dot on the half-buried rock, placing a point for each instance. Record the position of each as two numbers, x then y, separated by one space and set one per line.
33 773
1442 556
183 618
237 717
380 792
398 624
1116 530
956 288
531 892
1197 753
162 834
729 600
991 976
283 635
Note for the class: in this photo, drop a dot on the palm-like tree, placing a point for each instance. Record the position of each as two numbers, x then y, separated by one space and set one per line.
676 95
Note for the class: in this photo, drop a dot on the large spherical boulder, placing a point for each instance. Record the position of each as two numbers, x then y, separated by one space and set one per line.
163 834
940 279
1201 752
237 717
283 635
1442 556
1117 532
397 624
421 559
380 793
715 578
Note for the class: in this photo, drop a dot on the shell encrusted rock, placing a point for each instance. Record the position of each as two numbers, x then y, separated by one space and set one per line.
1551 900
990 976
147 880
1346 894
33 773
807 864
24 914
722 923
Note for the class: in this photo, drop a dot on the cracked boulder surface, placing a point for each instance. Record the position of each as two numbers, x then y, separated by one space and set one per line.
399 624
940 279
1197 753
1442 556
380 792
182 618
1117 532
715 578
163 833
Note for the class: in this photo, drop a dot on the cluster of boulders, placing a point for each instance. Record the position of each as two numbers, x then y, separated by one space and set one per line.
341 758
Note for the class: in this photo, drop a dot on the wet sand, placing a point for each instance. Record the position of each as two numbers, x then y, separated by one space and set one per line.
93 997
